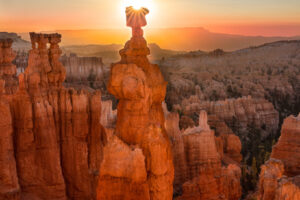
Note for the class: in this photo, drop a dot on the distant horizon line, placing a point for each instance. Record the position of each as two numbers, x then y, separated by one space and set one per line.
165 28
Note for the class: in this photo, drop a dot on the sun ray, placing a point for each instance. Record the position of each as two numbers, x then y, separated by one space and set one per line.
137 4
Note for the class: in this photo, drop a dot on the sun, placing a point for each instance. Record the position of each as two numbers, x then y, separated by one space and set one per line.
137 4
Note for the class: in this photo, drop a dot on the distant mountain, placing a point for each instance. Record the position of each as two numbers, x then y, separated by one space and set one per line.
186 39
110 53
202 39
19 43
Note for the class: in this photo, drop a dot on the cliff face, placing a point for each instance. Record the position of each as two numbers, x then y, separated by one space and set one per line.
288 145
9 185
57 139
238 113
207 178
198 157
279 177
7 69
81 72
123 172
82 69
228 144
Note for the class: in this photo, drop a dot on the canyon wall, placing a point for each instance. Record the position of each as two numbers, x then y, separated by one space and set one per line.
53 137
238 113
7 69
206 166
82 69
280 176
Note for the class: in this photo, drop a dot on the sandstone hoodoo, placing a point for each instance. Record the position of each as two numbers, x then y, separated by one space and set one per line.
140 88
51 137
7 69
280 176
202 171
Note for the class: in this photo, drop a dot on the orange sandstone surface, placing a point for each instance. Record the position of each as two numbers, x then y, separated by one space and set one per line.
280 176
200 171
54 147
51 137
144 168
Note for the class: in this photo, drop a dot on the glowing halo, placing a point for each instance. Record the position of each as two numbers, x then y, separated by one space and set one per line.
137 4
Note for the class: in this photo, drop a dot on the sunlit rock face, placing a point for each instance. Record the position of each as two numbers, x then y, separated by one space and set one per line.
123 172
280 176
198 157
108 115
9 184
57 137
140 88
288 147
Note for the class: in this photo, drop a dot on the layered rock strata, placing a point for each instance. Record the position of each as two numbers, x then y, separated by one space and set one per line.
57 136
7 69
140 88
199 172
238 113
207 178
83 69
280 176
9 184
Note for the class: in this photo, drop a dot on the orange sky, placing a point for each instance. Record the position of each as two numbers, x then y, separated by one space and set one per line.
248 17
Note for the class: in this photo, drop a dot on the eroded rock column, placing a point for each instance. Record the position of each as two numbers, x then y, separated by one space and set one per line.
140 88
58 135
9 184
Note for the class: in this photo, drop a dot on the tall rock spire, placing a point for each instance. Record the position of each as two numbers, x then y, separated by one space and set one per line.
140 88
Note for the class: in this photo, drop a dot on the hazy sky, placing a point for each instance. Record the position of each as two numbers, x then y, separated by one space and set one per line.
266 16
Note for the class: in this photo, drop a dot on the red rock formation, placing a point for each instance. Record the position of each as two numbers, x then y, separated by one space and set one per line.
289 144
7 69
57 138
199 173
108 115
208 179
140 88
223 185
179 156
228 144
82 69
9 185
246 111
270 172
123 172
279 177
288 189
